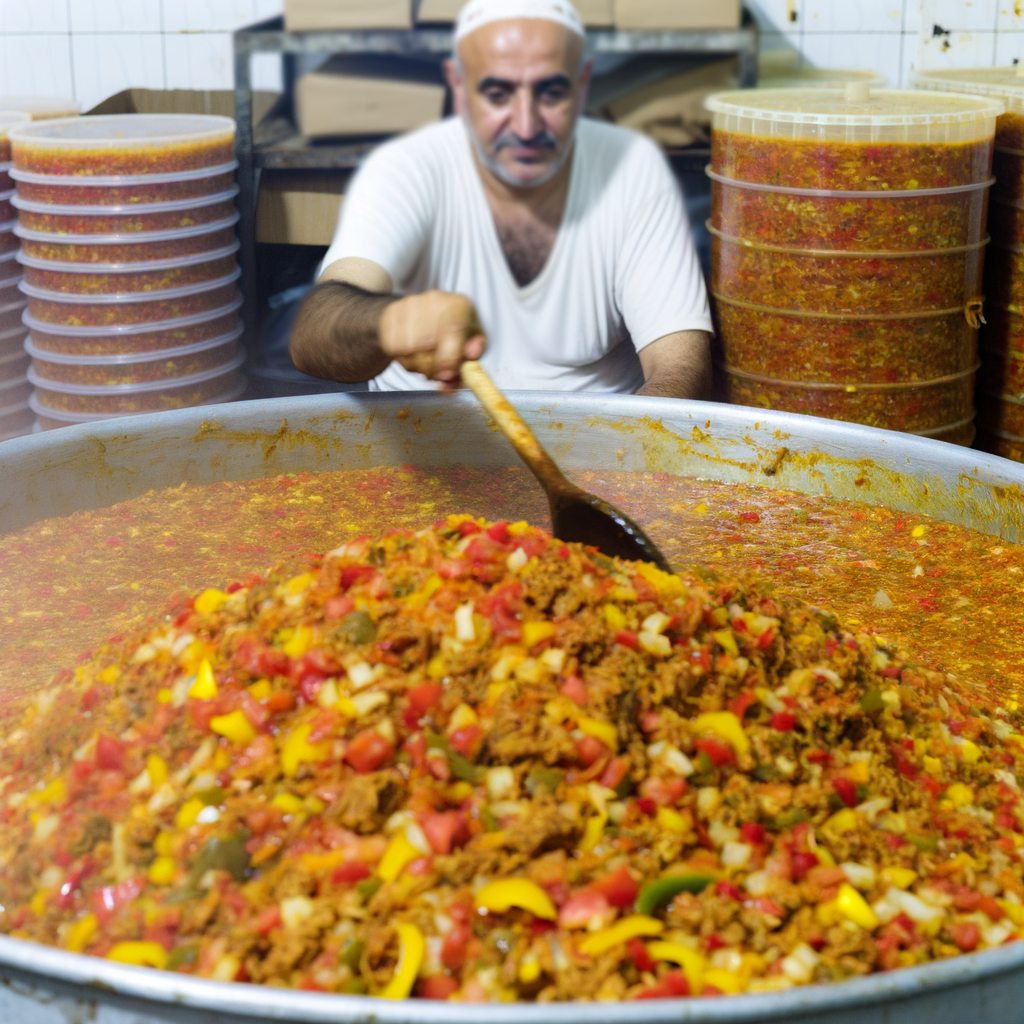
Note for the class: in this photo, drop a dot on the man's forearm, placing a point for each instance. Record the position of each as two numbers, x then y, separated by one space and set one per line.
336 333
682 369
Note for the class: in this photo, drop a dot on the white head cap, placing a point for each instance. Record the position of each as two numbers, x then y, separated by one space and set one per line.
482 12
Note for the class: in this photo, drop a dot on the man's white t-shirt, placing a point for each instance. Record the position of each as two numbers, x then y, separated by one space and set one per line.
623 271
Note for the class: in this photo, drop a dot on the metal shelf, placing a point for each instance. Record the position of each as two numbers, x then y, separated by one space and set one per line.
277 145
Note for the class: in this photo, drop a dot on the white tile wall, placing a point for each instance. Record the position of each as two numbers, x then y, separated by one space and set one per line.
93 48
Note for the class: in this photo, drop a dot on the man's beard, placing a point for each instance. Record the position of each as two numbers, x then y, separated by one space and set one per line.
508 140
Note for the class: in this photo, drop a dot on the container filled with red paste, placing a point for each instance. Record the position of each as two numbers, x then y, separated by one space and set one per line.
137 367
847 251
127 219
9 119
138 248
125 399
113 311
122 189
131 339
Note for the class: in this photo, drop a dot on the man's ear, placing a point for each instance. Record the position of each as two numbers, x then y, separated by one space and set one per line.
456 79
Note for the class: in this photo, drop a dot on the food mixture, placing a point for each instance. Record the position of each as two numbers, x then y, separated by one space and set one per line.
135 282
118 222
36 157
62 250
76 193
467 761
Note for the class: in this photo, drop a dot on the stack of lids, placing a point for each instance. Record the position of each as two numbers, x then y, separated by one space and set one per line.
126 224
1001 379
15 416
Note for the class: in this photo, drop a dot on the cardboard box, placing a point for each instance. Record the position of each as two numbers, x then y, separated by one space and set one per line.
596 13
182 101
314 15
677 14
368 95
299 208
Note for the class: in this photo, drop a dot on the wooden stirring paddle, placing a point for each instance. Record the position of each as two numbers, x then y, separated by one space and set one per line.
576 514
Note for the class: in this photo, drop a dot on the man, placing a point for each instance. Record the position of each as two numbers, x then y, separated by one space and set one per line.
554 249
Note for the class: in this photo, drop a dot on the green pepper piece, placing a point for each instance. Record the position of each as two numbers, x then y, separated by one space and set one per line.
789 818
358 627
182 955
926 844
872 701
544 778
367 889
351 953
354 987
212 797
659 892
489 820
461 767
218 854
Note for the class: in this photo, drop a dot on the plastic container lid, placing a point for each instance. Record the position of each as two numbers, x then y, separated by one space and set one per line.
8 226
92 417
13 332
120 298
96 390
825 78
857 113
121 330
10 119
122 180
41 108
130 358
60 209
173 263
130 237
1005 84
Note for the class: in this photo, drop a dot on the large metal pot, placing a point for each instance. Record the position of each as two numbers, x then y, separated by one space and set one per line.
96 465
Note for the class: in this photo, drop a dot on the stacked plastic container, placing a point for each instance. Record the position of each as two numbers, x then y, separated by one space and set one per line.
126 224
41 108
15 415
847 252
1001 378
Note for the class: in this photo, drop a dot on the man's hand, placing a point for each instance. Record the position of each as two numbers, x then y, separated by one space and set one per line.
432 334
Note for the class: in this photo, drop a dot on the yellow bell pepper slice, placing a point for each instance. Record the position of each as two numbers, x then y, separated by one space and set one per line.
288 802
210 600
188 813
156 766
902 878
593 831
603 731
81 933
516 892
665 583
300 642
726 726
297 750
725 640
692 962
411 949
960 795
725 981
398 854
140 954
162 871
853 906
842 821
631 927
536 632
204 687
235 727
613 616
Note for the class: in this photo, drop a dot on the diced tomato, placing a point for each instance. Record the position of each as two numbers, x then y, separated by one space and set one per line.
618 887
719 753
750 517
453 568
802 863
574 689
280 701
437 986
638 951
647 805
664 790
579 910
502 606
728 891
416 747
650 721
424 697
991 909
907 768
368 751
352 574
420 866
742 703
627 638
934 787
846 789
467 741
822 757
338 607
713 942
106 902
752 833
261 661
783 721
453 951
348 872
95 696
766 639
256 714
965 934
615 772
765 906
268 920
670 986
590 749
499 532
442 829
467 528
109 753
484 551
66 893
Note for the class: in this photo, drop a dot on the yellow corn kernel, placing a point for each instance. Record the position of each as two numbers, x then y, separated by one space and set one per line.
314 804
204 686
162 871
209 601
156 768
297 584
845 820
163 845
917 531
38 902
187 813
667 584
399 853
960 795
297 750
140 954
827 913
1014 911
529 970
411 950
859 772
462 717
901 878
672 821
458 791
164 695
235 727
725 981
726 726
932 765
536 632
692 962
725 640
853 906
299 643
519 529
109 675
435 668
81 933
318 863
613 616
502 895
221 759
603 731
970 752
192 657
593 831
53 793
288 802
260 690
632 927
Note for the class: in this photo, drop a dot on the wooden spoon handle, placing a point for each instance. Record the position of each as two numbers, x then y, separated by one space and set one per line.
511 424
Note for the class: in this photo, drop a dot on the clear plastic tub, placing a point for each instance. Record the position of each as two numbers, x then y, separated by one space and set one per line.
16 419
15 390
124 190
122 311
131 278
921 407
13 365
1004 275
9 269
42 108
1006 222
125 249
1001 412
134 339
8 239
12 305
156 396
9 119
1002 373
7 210
12 340
123 144
1003 329
134 368
125 220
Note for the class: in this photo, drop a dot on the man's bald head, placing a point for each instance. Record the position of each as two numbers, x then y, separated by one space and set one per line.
520 85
